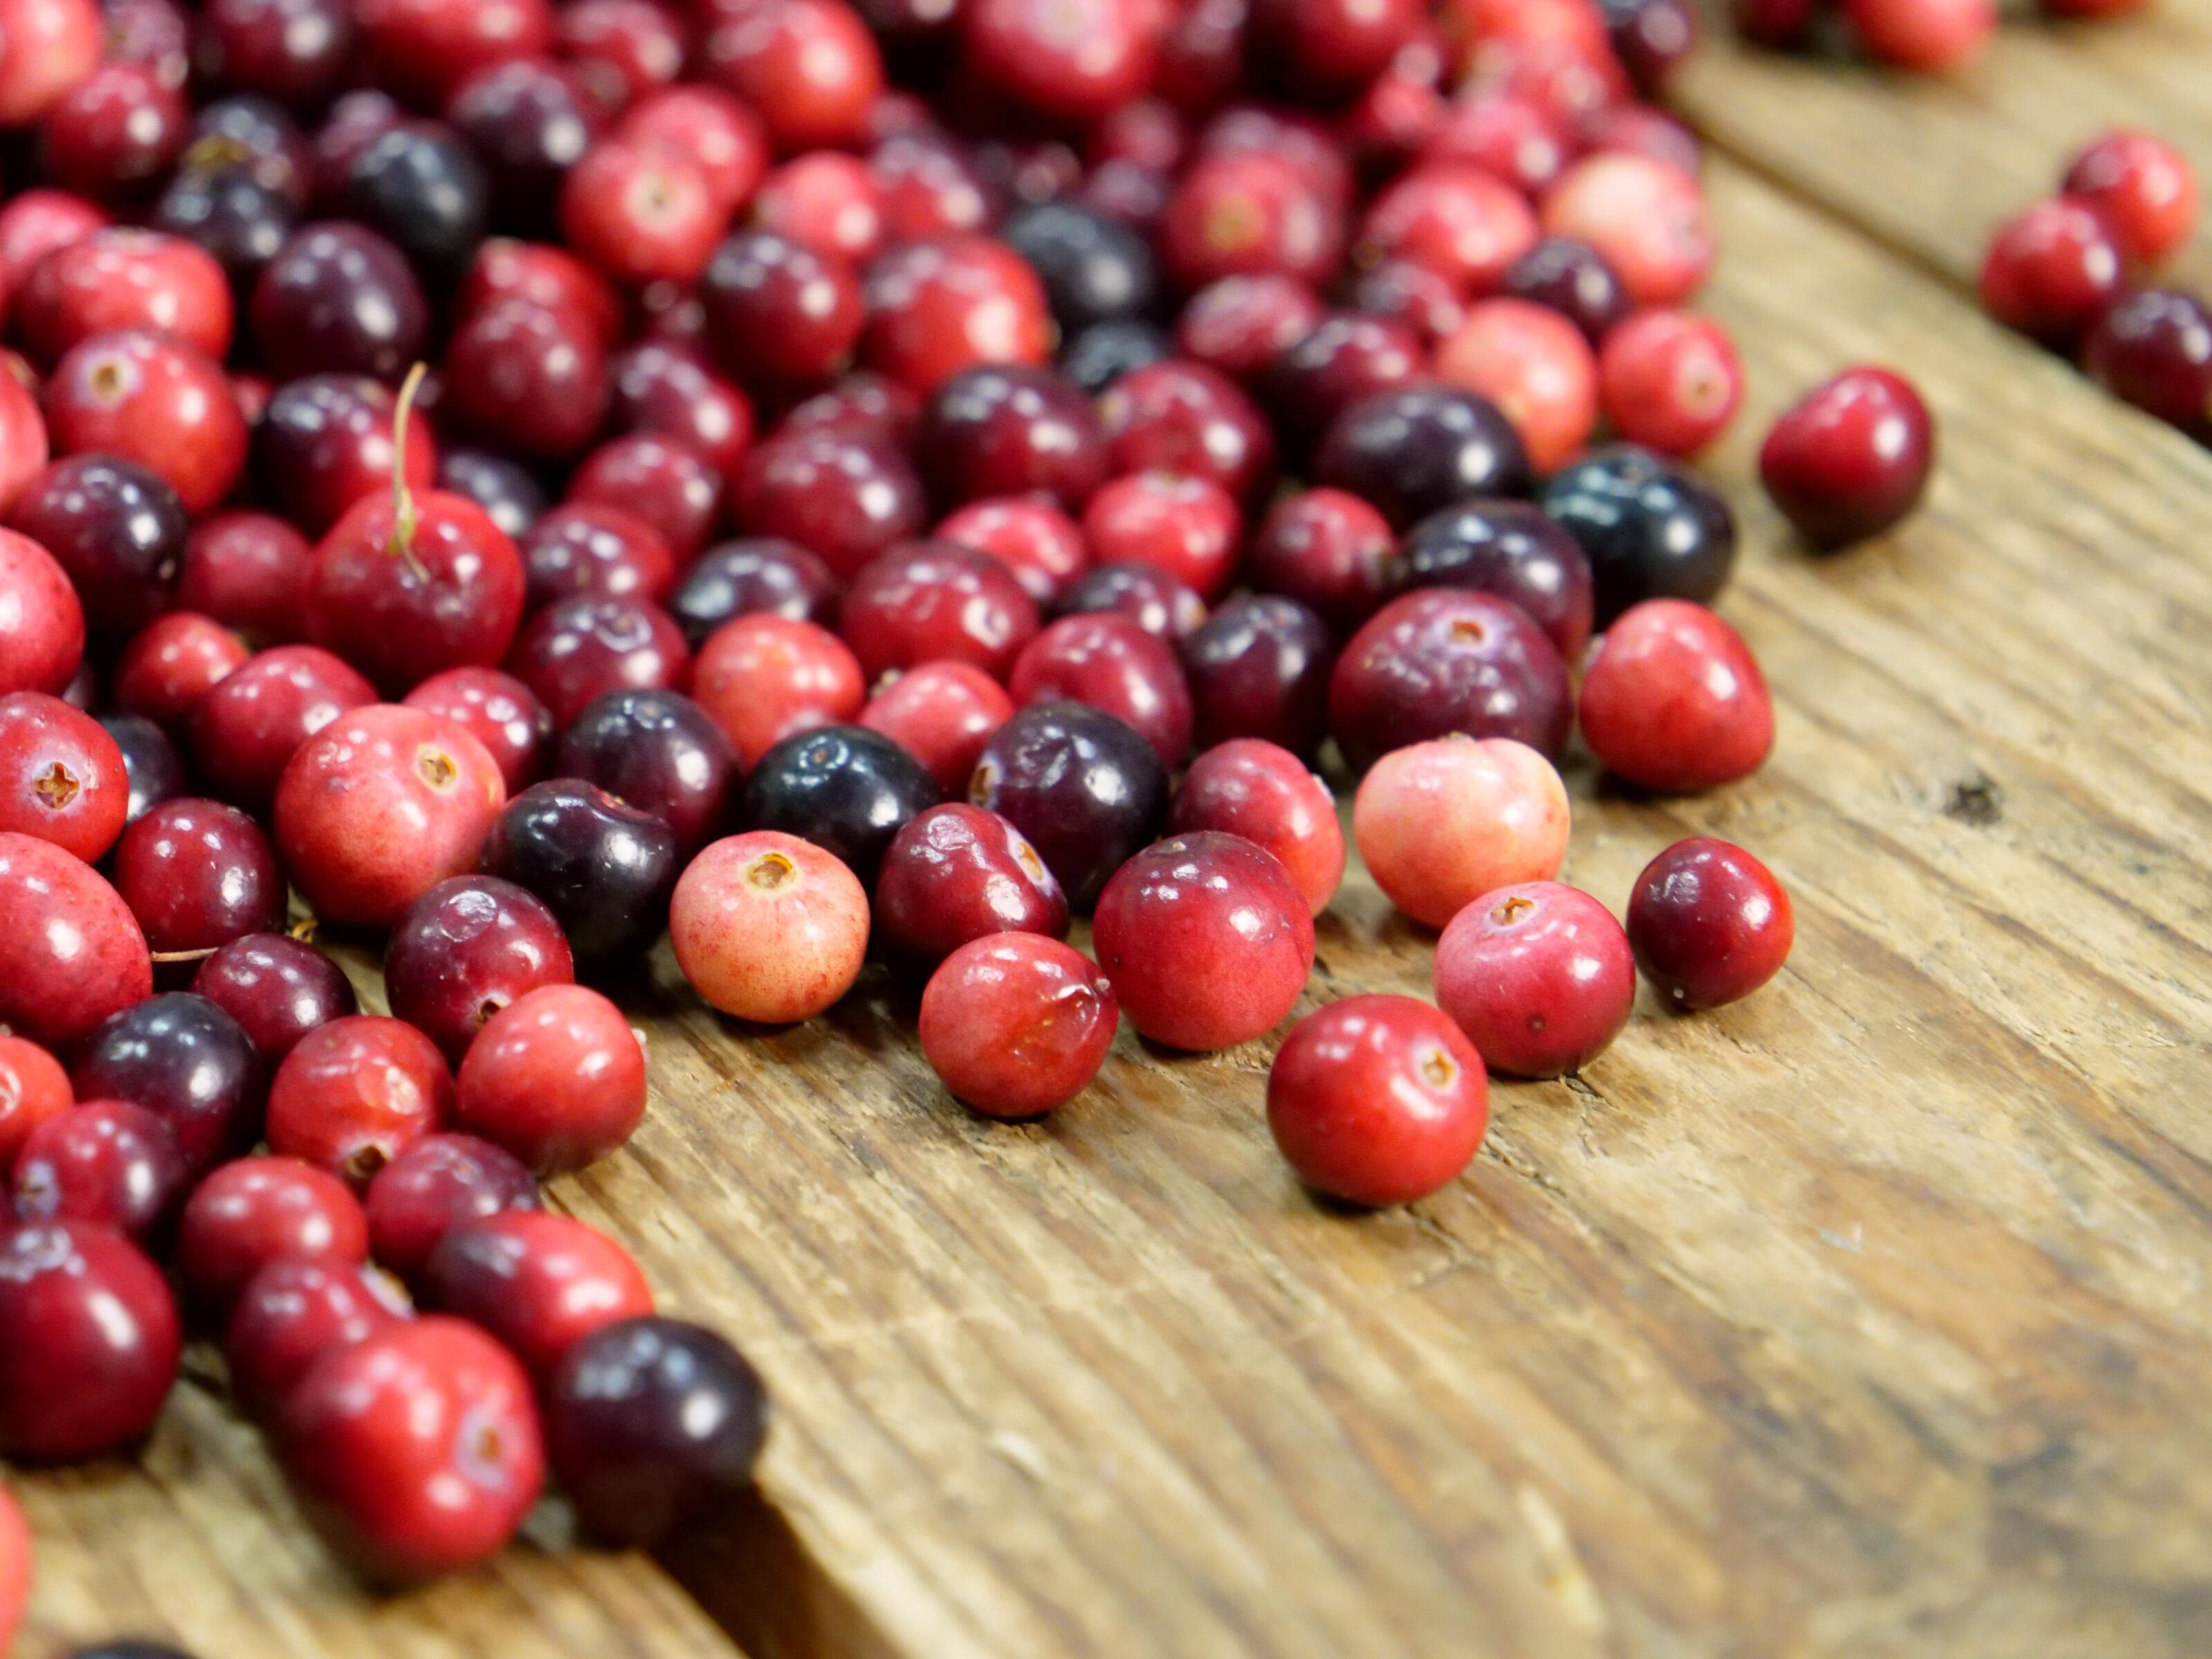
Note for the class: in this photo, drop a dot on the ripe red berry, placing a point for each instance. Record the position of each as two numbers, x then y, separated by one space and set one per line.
1535 365
809 69
15 1566
1441 822
420 51
174 662
255 1210
61 776
2145 188
557 1079
1015 1024
103 1164
1710 923
249 725
938 307
356 1093
763 677
41 621
1850 459
1539 975
293 1311
933 602
1669 380
1265 793
500 712
1672 700
1937 36
156 401
537 1281
956 873
70 952
641 210
52 46
1109 662
942 714
278 989
1189 527
198 874
33 1087
528 378
769 927
466 949
90 1340
2052 270
1647 220
120 278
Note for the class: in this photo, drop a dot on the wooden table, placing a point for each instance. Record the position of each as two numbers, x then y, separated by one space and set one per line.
1868 1317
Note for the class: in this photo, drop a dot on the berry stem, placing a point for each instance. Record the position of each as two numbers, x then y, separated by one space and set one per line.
401 545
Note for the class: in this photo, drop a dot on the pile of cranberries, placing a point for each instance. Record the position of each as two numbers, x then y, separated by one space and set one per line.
1936 37
827 485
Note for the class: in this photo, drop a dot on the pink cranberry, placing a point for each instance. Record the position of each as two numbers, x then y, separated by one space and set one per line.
1535 365
354 1093
556 1078
1539 975
663 480
937 308
942 714
1514 139
764 677
1710 923
1672 699
809 69
255 1210
1250 215
198 874
769 927
249 572
1255 789
1852 458
103 1164
1109 662
293 1312
1206 939
1377 1100
33 1087
256 717
1442 823
1453 217
1936 36
846 498
380 806
416 1450
956 873
52 44
15 1566
1188 527
440 1183
934 602
1239 325
1647 220
2145 188
89 1341
1441 660
177 660
1016 1024
41 623
62 777
500 712
1669 380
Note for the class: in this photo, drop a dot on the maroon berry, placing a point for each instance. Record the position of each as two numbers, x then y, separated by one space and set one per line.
1157 601
293 1311
198 874
465 950
955 873
436 1184
1109 662
544 276
185 1060
276 987
1347 357
1327 548
1264 793
536 1281
338 299
2052 271
1852 458
328 440
1710 923
1444 661
1259 667
754 575
1573 279
1010 430
1414 451
62 777
846 498
255 1210
420 51
89 1341
1187 418
1072 66
354 1093
174 662
1540 977
1016 1024
295 51
70 952
660 752
2153 349
528 378
592 644
1240 325
1512 550
103 1164
659 387
932 602
942 714
663 480
250 723
116 528
781 313
557 1079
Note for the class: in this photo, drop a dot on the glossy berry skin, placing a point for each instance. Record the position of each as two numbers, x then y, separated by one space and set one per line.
1539 976
1510 549
1249 215
198 874
1187 526
1709 923
1669 380
188 1062
259 1210
1109 662
1347 358
416 1451
1441 822
293 1311
651 1423
170 666
782 313
588 548
508 492
118 278
527 378
1443 660
41 619
70 952
1454 218
557 1079
1015 1024
537 1281
937 308
421 53
116 528
500 712
1157 601
846 498
752 576
762 678
33 1088
933 602
1187 417
254 719
379 807
1237 325
1377 1100
438 1183
844 788
54 47
1104 352
769 927
662 479
1672 700
115 133
942 714
603 868
278 988
660 387
1008 429
247 571
354 1093
1328 550
1206 938
1534 366
1649 529
956 873
1264 793
1647 220
466 951
2154 350
2052 270
104 1163
325 442
717 130
592 644
660 752
1934 36
90 1340
2145 189
153 401
1094 269
528 122
810 67
150 762
62 777
338 299
1085 789
1852 458
1573 279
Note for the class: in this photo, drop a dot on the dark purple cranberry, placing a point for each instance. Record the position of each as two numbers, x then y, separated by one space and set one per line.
116 528
1418 450
185 1060
1650 529
107 1163
1005 430
257 131
1085 789
324 441
1574 280
591 547
198 874
150 762
233 212
590 644
1508 549
1103 353
421 186
434 1185
465 950
660 752
1258 668
508 491
603 868
1094 269
1164 608
1650 37
2154 350
666 387
1347 357
753 574
956 873
781 313
844 788
278 989
529 121
649 1424
338 299
1445 660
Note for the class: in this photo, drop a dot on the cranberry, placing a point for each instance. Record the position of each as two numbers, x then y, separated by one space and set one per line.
624 49
640 211
718 131
2154 350
660 752
1201 55
354 119
338 299
1103 353
1416 451
1710 923
61 776
415 1451
1094 269
658 387
1347 357
103 1164
1085 789
1011 430
844 788
2052 270
89 1341
860 404
824 201
1454 218
1647 220
810 67
927 185
782 313
276 987
1937 36
942 714
846 498
1445 660
1072 66
500 712
1040 545
938 307
41 621
293 1312
15 1566
380 806
252 720
651 1423
36 222
52 46
118 530
154 769
551 277
466 949
420 51
529 121
603 868
557 1079
1109 662
419 183
355 1092
1512 550
1239 325
1015 1024
198 874
1649 528
1852 458
33 1087
762 678
663 480
590 645
1260 668
177 659
1249 215
1540 977
1533 363
932 601
529 378
1377 1100
1669 380
539 1282
259 1210
1442 821
1514 139
1782 25
1255 789
769 927
156 402
440 1183
1156 601
1571 278
759 574
119 278
328 441
1186 526
188 1062
2145 188
1186 418
956 873
1420 298
293 50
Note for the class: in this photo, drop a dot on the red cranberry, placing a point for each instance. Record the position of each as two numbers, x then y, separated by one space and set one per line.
52 46
927 186
1109 662
115 134
663 480
61 776
762 678
467 949
440 1183
1251 215
718 131
198 874
1669 380
659 387
1640 130
1509 549
1260 668
1442 823
354 1092
1239 325
276 987
592 644
860 404
660 752
33 1087
1325 53
2145 188
295 51
152 401
529 121
769 927
943 713
379 807
1710 923
259 1210
416 1450
782 313
552 277
997 430
938 307
41 623
1156 601
1343 360
956 873
1511 138
1085 789
338 299
328 441
420 51
622 49
1538 976
641 212
824 201
116 528
1201 56
1413 293
292 1313
36 222
178 659
1416 450
1186 418
1937 36
1016 1024
1571 278
1647 220
102 1164
1672 699
556 1078
846 498
2153 349
810 67
1187 526
121 278
24 448
500 712
1040 544
1781 25
1377 1100
2052 270
1072 66
15 1566
1453 217
1255 789
252 721
531 379
1447 660
1850 459
932 601
539 1282
89 1341
185 1060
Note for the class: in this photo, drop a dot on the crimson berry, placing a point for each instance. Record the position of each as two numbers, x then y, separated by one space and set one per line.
1010 430
1672 699
41 621
660 752
1442 823
89 1341
1255 789
1188 527
537 1281
762 678
255 1210
1538 976
942 714
328 441
557 1079
1647 220
198 874
846 498
1073 67
466 949
53 44
927 185
1413 293
603 867
291 1313
1237 325
2052 270
1040 544
660 387
782 313
338 299
769 927
1512 550
545 276
1156 601
118 530
622 49
185 1060
34 223
932 601
1377 1100
1015 1024
104 1163
500 712
1325 53
718 131
1937 36
178 659
1710 923
860 404
119 278
1248 215
810 67
33 1087
1109 662
640 211
824 201
151 762
1850 459
115 134
530 377
1455 218
1348 356
355 1092
297 51
2153 349
1669 380
153 401
528 121
938 307
1187 418
663 480
421 50
590 645
956 873
61 776
1443 660
276 987
249 725
436 1184
2145 188
1259 667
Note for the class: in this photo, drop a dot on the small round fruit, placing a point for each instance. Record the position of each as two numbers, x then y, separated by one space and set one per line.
41 620
1442 823
1672 700
90 1340
33 1087
356 1093
537 1281
70 951
255 1210
184 1060
557 1079
844 788
1540 977
1508 549
769 927
603 868
1085 789
198 874
104 1164
1016 1024
1443 660
467 950
1852 458
762 678
1710 923
1254 789
278 988
956 873
942 714
293 1312
2144 187
1649 528
438 1183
